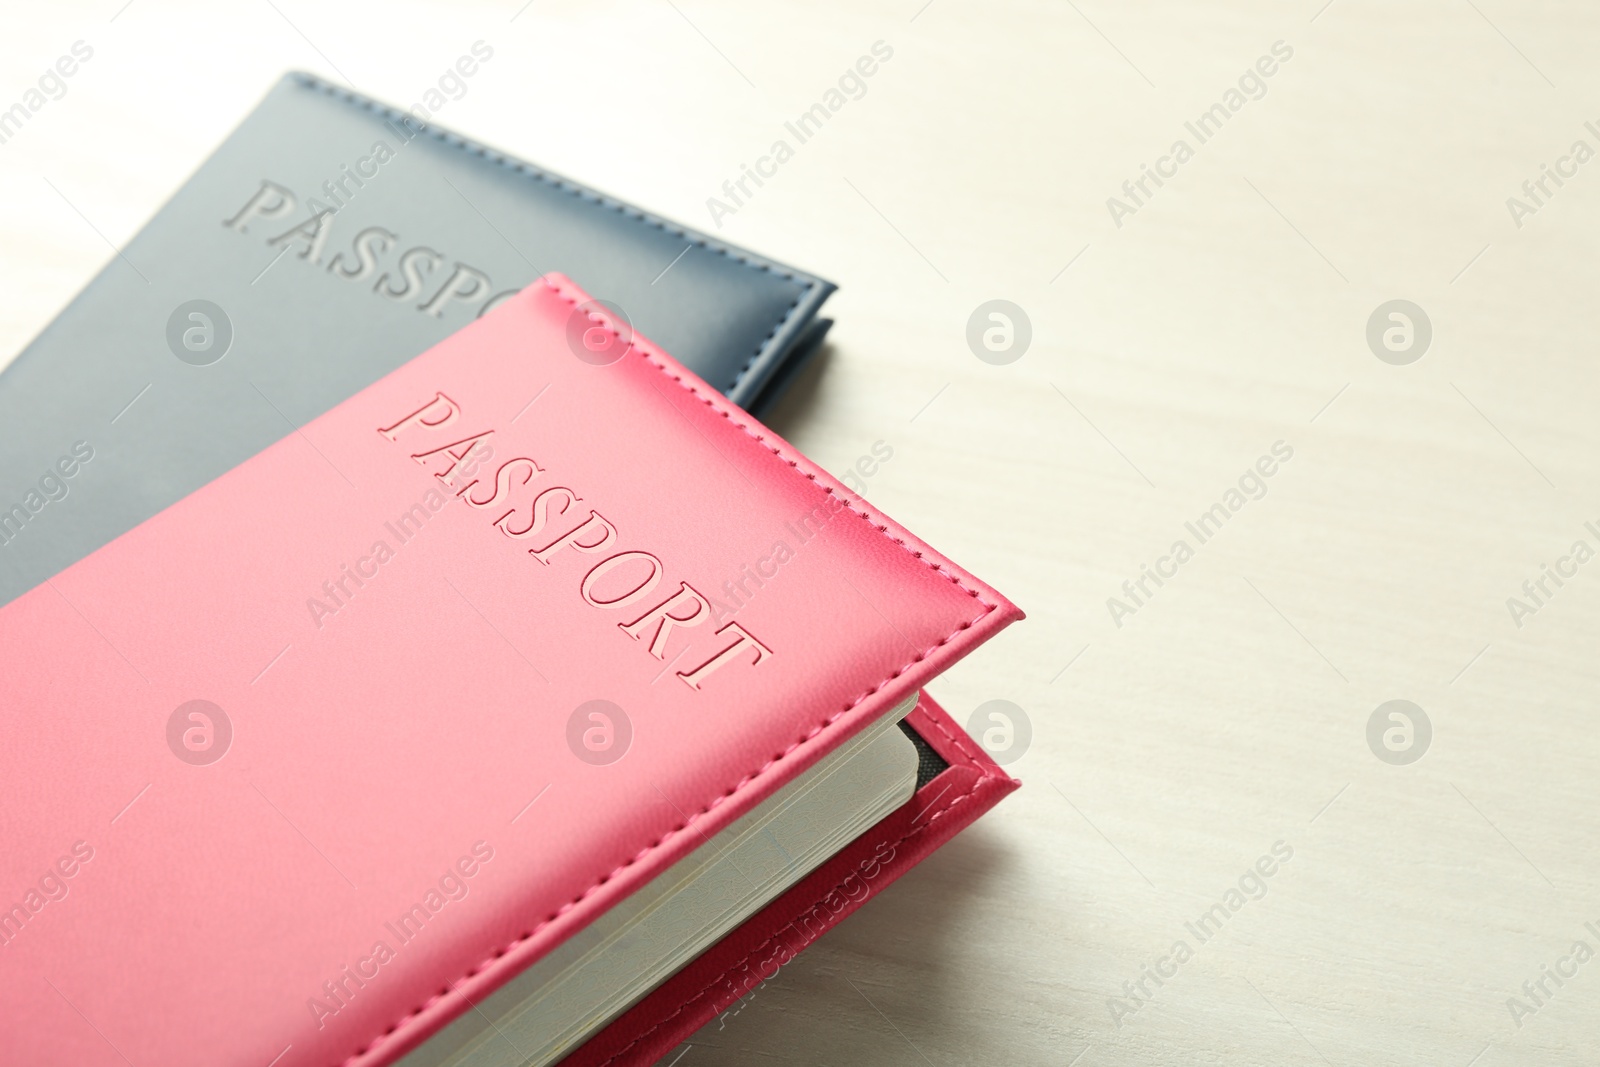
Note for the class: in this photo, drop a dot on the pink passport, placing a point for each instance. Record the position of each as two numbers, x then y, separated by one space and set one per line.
248 740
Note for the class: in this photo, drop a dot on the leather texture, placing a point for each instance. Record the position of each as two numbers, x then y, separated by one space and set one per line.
752 955
309 301
426 725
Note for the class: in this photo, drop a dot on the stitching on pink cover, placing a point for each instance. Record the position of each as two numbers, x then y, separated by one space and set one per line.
948 807
689 387
645 852
955 740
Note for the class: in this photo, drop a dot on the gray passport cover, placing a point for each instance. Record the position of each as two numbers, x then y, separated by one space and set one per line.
326 242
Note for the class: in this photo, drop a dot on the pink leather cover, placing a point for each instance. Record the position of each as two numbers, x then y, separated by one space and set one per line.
754 953
405 812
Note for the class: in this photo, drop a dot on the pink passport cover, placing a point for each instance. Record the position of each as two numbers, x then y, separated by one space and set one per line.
399 822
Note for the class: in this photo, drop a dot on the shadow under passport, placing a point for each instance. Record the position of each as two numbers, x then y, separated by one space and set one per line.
897 958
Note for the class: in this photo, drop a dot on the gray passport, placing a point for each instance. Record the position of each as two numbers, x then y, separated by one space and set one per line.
326 242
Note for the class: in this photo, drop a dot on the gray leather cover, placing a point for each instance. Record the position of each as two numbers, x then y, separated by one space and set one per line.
131 375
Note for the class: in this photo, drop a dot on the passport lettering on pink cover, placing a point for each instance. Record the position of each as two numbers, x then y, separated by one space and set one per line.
290 769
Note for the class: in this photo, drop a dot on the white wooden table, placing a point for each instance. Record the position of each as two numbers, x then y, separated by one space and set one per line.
1227 312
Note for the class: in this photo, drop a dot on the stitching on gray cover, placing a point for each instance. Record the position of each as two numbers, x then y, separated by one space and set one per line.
810 285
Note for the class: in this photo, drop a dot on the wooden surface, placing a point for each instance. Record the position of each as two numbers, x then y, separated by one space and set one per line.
1228 312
